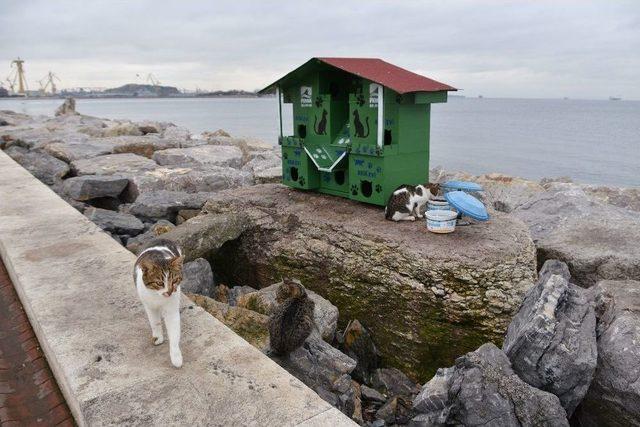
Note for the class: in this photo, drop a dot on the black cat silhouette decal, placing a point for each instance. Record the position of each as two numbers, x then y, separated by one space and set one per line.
359 131
322 124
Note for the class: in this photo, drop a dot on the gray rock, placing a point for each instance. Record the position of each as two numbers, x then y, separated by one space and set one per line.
342 248
135 244
197 277
349 397
551 341
597 241
270 175
372 394
155 205
627 198
115 222
111 164
81 149
356 342
614 396
200 157
176 133
67 107
393 382
144 145
187 180
482 389
43 166
396 410
317 364
93 186
203 235
237 292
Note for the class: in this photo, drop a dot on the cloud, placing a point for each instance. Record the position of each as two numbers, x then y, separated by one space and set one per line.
585 49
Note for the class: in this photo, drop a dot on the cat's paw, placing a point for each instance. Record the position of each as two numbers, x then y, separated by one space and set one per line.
176 358
420 216
412 218
157 340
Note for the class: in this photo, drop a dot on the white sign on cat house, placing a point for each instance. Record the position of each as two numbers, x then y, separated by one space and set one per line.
305 96
374 94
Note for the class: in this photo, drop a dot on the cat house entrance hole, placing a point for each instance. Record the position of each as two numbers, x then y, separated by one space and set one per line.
302 131
366 188
294 174
387 137
339 177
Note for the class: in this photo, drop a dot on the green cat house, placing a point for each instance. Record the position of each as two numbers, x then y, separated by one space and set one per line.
360 127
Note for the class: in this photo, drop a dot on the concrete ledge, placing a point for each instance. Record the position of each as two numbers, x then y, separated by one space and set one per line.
76 286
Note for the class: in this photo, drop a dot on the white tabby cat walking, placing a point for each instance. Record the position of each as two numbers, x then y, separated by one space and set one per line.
157 274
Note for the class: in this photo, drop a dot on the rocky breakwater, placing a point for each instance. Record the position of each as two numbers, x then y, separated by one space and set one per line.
595 229
127 176
425 298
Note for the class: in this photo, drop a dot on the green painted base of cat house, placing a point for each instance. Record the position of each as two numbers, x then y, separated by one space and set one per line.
360 127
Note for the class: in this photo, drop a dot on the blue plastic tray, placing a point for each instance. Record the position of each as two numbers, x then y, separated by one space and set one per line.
467 205
462 185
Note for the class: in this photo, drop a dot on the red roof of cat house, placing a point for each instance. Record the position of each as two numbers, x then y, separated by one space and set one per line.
376 70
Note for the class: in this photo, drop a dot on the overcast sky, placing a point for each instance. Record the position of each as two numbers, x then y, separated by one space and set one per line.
579 49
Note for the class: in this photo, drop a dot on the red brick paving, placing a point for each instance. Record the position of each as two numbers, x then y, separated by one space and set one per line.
29 395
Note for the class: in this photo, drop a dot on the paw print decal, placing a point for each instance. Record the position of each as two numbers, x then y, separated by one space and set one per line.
326 178
354 189
301 181
285 156
360 100
318 101
378 188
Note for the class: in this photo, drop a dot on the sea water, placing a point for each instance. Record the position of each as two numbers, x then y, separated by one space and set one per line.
594 142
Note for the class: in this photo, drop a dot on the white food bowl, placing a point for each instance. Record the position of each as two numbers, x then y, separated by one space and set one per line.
441 221
438 204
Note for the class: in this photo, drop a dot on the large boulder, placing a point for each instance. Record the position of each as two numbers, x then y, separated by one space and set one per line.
325 314
551 341
110 164
74 150
135 244
598 241
426 298
614 396
156 205
197 277
482 390
393 382
202 156
144 145
203 235
89 187
115 222
187 180
43 166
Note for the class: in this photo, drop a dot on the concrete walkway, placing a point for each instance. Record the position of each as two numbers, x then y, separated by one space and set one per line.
75 284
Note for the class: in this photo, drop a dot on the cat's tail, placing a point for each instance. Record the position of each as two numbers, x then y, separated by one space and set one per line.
387 212
367 122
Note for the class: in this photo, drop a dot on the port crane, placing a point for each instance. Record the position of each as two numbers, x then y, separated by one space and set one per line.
48 82
17 77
